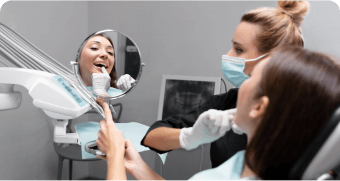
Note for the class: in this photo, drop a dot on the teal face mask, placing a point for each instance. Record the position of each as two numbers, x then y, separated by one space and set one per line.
232 69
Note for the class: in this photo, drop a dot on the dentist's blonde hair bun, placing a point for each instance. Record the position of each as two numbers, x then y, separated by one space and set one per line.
297 10
280 26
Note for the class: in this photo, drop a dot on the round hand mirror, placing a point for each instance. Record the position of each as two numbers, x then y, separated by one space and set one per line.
108 64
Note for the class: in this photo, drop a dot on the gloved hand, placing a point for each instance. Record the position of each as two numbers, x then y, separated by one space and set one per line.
101 82
210 126
124 82
236 129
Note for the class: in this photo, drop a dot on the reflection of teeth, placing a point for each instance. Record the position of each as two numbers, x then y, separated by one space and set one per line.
100 65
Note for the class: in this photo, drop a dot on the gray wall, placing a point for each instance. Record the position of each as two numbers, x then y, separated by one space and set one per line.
183 38
26 133
189 38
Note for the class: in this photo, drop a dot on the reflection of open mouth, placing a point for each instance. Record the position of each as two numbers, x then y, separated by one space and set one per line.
100 65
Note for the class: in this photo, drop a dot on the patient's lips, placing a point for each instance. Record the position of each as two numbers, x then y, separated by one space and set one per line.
98 66
101 64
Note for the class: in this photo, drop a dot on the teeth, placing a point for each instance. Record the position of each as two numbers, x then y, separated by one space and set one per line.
100 65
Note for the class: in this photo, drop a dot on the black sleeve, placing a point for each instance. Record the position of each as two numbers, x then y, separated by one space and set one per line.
224 101
219 102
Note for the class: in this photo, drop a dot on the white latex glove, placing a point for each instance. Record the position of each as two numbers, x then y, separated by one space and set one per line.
124 82
210 126
236 129
101 82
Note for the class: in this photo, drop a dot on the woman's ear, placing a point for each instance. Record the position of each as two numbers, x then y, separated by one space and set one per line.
260 108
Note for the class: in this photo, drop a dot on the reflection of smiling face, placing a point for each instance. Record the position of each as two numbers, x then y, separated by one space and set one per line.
245 44
97 52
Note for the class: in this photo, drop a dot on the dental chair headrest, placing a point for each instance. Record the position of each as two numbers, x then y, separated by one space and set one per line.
323 154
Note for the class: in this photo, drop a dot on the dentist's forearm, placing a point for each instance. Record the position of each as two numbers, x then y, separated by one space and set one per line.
163 138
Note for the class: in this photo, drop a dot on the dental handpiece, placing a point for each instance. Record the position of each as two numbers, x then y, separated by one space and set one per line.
88 98
99 110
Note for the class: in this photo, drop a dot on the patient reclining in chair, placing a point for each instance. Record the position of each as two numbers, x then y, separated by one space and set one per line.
282 108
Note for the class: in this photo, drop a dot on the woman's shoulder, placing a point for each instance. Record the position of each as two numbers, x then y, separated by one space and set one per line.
229 170
114 92
111 91
254 177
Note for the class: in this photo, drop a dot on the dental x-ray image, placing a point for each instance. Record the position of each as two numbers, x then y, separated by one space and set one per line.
182 96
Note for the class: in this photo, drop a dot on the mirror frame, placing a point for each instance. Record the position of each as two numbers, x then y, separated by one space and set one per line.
76 70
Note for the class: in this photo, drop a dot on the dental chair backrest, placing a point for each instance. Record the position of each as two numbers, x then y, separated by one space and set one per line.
323 154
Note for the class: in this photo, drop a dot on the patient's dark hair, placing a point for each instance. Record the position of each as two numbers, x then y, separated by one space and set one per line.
303 88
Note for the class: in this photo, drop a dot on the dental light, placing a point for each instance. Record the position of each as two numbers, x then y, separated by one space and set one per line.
52 86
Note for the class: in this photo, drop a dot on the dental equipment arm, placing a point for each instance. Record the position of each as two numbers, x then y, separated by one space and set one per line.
21 53
9 98
60 97
50 97
46 93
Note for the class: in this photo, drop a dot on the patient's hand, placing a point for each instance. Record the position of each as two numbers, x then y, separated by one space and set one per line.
135 165
101 82
111 143
132 159
110 138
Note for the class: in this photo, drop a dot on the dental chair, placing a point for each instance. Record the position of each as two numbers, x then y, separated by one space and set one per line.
321 160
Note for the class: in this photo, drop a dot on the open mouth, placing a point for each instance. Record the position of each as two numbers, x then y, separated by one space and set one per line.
100 65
